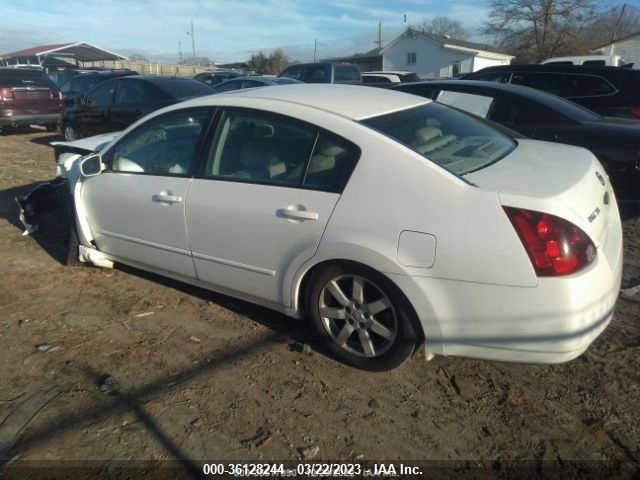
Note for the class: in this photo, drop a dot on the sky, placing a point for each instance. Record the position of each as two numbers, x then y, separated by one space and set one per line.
225 30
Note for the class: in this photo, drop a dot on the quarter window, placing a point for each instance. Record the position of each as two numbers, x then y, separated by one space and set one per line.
166 145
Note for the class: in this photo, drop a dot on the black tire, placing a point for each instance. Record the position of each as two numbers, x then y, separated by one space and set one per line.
70 133
396 351
73 247
52 127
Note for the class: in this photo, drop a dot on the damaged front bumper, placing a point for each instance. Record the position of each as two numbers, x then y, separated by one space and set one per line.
46 197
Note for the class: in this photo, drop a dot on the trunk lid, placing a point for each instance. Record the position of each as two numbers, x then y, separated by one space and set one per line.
569 178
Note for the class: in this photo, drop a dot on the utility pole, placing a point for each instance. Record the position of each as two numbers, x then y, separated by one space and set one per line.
193 40
315 50
379 40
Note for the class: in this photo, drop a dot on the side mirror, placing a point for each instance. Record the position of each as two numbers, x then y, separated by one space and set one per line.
91 166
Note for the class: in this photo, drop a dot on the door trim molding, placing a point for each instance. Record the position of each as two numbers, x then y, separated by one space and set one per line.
231 263
146 243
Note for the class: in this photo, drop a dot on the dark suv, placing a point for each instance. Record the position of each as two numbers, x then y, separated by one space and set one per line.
28 97
609 91
323 73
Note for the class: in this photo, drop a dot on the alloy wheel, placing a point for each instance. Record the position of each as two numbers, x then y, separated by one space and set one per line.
358 315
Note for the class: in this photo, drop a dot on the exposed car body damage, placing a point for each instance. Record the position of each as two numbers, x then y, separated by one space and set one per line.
54 194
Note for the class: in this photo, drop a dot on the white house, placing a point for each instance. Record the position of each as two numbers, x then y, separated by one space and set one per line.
429 55
627 47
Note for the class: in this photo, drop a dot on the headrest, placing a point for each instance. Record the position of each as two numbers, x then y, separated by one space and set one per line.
426 134
330 150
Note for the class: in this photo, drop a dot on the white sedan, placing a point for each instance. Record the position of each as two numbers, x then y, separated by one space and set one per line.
387 220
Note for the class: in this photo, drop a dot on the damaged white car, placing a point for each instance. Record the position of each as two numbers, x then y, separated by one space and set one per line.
388 220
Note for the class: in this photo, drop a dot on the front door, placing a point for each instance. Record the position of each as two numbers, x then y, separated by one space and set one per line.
263 199
136 209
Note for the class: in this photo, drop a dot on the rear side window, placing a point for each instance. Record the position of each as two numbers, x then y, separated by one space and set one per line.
135 92
594 63
517 112
346 73
24 78
456 141
411 77
331 163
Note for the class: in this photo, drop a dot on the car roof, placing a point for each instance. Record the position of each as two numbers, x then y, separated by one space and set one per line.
558 68
548 99
352 101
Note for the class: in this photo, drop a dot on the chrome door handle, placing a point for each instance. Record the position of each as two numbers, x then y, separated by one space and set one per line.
166 198
295 213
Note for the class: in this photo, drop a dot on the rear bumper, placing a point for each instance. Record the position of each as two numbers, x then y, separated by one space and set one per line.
553 322
30 119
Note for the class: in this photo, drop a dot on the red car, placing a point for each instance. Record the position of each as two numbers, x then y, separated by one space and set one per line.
28 97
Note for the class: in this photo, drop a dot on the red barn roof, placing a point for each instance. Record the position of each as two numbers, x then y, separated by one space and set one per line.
82 51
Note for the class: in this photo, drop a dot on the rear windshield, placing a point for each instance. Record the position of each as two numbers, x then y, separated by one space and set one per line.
454 140
24 78
184 88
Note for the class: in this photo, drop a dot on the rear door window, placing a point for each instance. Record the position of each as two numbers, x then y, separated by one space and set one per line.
331 164
520 113
294 72
136 93
566 85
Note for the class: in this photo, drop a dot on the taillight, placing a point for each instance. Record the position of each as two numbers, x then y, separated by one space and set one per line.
6 94
554 245
635 111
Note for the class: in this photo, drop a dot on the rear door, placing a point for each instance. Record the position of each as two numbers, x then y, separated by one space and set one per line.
262 200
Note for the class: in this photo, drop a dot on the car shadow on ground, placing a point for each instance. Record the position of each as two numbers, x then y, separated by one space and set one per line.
131 401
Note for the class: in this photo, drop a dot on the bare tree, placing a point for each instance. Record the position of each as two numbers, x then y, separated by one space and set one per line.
537 29
272 64
444 26
614 23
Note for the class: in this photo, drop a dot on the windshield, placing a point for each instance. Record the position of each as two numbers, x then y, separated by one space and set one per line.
454 140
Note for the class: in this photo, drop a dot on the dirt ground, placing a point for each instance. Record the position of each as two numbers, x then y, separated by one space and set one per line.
203 377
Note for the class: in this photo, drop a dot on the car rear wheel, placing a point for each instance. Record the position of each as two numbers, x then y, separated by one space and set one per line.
70 133
361 317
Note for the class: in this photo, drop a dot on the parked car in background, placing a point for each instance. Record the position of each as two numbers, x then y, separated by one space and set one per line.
290 206
387 77
252 82
28 97
610 91
117 103
540 115
325 72
86 80
587 61
217 77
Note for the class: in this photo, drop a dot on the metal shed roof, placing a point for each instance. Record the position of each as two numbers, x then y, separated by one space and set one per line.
82 51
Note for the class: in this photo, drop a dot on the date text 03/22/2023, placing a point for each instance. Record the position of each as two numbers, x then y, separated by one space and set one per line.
310 469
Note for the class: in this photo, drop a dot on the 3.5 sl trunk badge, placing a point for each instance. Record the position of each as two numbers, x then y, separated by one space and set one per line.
600 178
